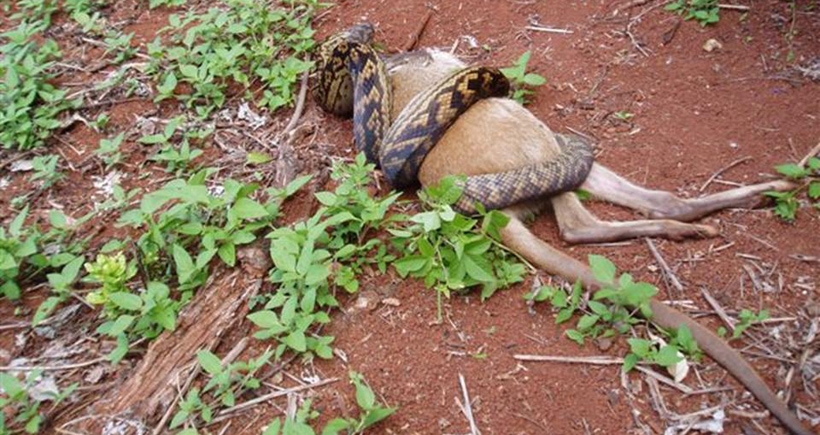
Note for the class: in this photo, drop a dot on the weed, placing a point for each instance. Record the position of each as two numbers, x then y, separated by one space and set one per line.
168 3
31 104
787 203
241 42
109 150
610 312
747 318
704 11
329 249
177 157
21 405
226 383
23 257
61 288
623 115
521 80
450 251
128 314
17 246
45 170
372 412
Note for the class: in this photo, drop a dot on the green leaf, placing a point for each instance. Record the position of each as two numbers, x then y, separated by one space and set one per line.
377 415
255 158
333 427
120 325
184 264
475 271
587 321
814 190
668 356
283 260
126 300
296 341
326 198
792 170
227 252
631 361
17 224
120 351
533 79
11 385
575 336
45 309
603 269
246 208
264 319
209 362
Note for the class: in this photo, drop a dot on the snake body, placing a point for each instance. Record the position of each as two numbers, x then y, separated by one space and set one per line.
352 78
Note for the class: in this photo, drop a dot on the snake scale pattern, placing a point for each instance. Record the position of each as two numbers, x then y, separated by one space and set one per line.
352 78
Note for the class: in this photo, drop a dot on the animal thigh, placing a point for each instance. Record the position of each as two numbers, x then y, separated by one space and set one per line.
495 135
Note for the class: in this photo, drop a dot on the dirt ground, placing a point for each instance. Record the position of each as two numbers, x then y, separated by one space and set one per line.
694 113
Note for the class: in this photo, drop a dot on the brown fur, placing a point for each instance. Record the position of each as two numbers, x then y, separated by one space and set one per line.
498 135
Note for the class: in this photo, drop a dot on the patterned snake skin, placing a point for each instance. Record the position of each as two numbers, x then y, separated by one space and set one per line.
352 78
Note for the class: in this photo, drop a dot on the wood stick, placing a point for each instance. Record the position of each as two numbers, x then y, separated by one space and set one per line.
416 36
670 276
468 407
814 151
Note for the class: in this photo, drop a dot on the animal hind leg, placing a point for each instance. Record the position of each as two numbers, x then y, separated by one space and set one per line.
518 238
578 225
605 184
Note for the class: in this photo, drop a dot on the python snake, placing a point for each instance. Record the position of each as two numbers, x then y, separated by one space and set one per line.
352 77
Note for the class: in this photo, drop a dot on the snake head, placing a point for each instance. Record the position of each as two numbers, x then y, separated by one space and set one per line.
494 83
360 33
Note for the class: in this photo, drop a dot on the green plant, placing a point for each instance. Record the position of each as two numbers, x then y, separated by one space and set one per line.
704 11
184 216
22 406
787 203
610 311
16 246
372 412
22 253
623 115
242 42
35 11
327 250
450 251
109 150
746 318
45 169
178 158
61 284
521 80
226 383
129 314
168 3
31 104
354 249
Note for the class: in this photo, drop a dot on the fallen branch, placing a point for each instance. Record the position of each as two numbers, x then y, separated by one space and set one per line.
414 40
53 368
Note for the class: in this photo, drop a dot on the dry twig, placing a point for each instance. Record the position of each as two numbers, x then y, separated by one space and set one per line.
668 275
467 407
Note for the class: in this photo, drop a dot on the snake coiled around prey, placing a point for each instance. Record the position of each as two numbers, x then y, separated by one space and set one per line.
352 78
